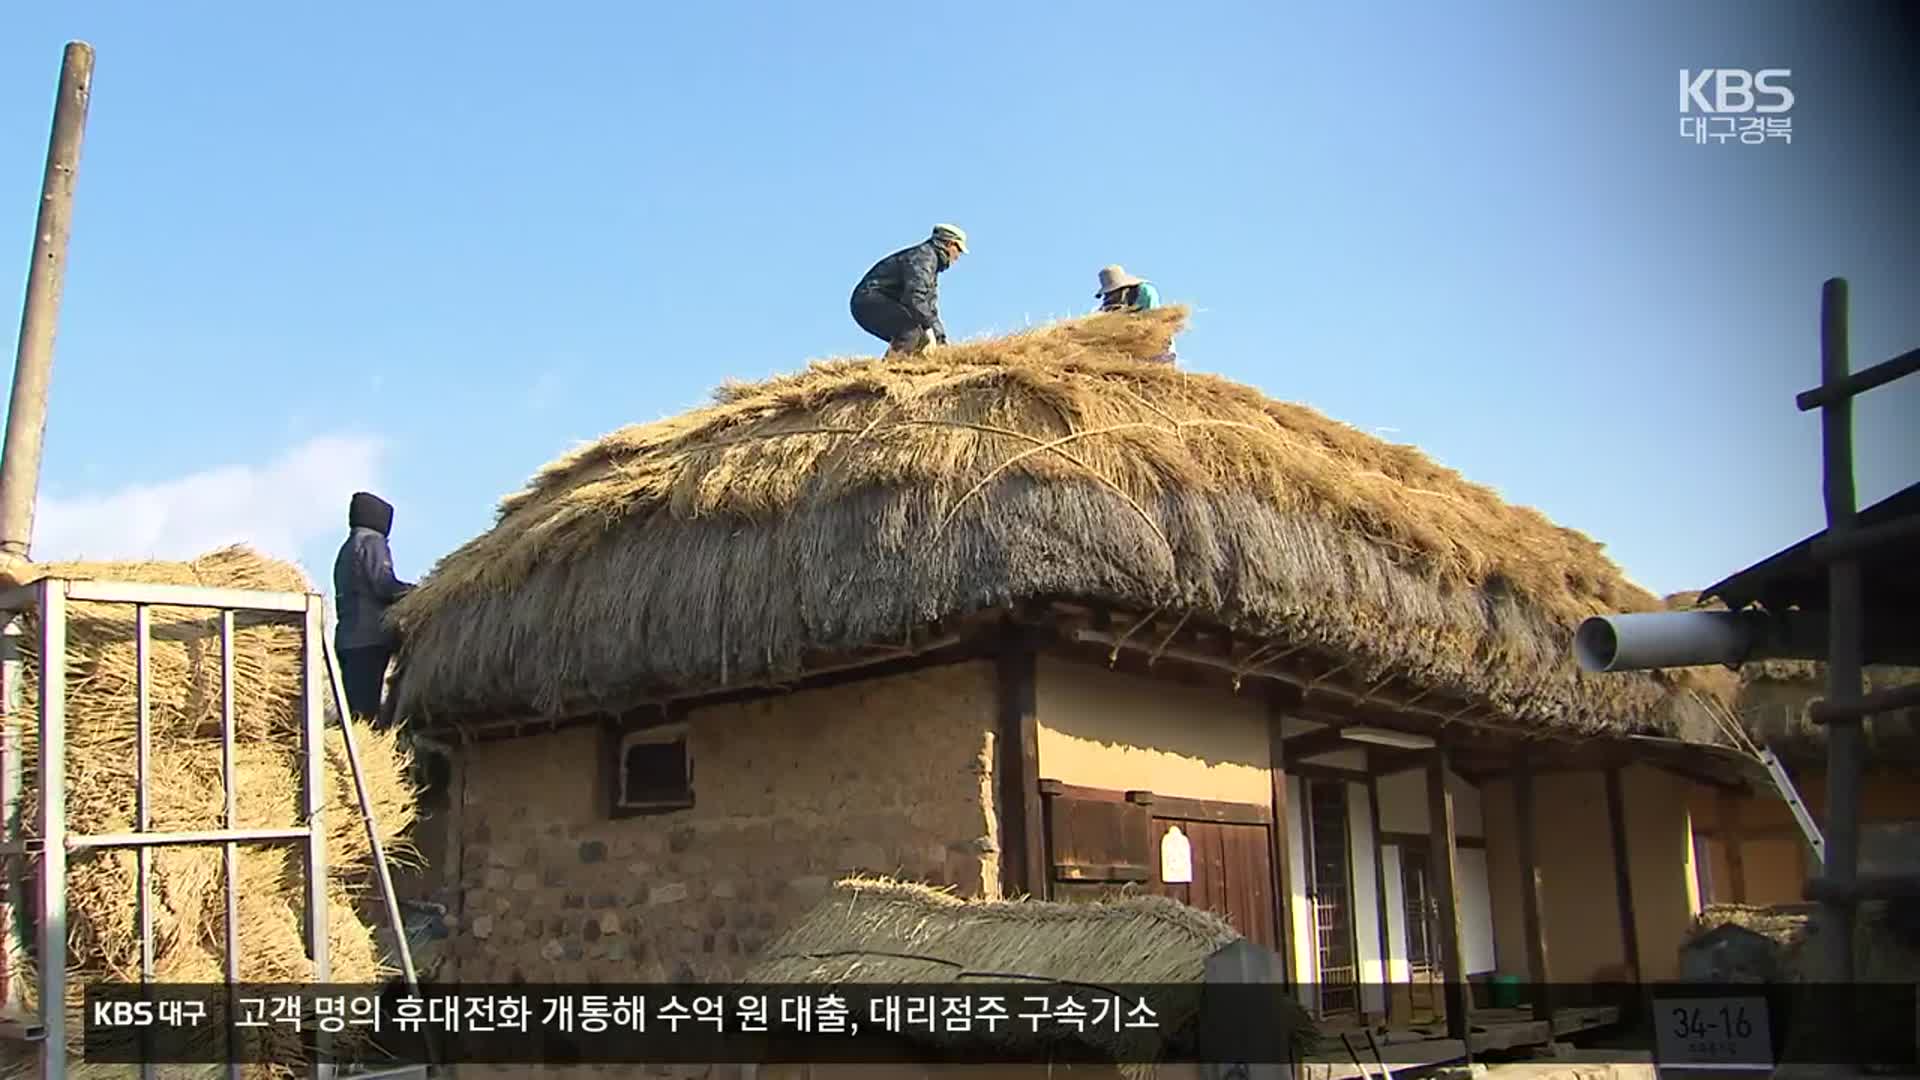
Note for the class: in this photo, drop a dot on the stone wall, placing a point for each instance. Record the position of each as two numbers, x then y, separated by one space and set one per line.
890 776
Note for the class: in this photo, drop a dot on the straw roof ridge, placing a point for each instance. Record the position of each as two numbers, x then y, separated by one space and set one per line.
857 500
876 930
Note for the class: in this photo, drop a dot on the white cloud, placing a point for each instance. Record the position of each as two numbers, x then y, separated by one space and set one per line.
277 508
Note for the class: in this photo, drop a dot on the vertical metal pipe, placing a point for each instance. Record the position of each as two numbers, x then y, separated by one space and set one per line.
143 813
52 779
366 813
13 927
1844 635
33 362
230 850
313 803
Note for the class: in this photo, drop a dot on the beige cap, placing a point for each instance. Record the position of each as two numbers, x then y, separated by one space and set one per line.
952 232
1116 277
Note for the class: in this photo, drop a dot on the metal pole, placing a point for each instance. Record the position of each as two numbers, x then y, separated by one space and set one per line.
143 815
52 779
13 925
373 830
230 853
314 798
1843 663
33 362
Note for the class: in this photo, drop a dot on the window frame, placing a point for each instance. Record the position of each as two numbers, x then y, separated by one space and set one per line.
668 727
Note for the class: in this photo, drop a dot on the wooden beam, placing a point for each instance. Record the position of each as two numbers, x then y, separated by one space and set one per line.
1622 871
1277 834
1380 903
1023 866
1733 838
1314 743
1384 762
1532 909
1446 867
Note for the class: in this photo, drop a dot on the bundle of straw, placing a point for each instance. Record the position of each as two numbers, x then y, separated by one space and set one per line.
185 790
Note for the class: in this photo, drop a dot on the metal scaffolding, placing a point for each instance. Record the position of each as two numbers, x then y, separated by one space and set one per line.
50 842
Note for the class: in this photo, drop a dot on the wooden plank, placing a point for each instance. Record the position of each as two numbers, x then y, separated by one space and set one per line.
1278 841
1532 906
1320 741
1508 1036
1399 838
1622 872
1446 872
1225 813
1023 867
1380 903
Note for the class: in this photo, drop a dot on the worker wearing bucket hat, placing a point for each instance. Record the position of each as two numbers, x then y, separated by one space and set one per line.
898 301
1121 291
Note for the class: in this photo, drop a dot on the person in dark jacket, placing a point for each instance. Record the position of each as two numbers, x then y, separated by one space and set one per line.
364 586
899 299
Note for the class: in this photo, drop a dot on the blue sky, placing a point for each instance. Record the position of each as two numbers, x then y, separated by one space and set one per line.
429 247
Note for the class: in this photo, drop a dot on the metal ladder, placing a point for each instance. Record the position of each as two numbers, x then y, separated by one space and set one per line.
52 842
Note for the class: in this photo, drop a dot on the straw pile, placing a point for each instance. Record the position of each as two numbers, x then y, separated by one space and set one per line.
878 930
858 501
185 789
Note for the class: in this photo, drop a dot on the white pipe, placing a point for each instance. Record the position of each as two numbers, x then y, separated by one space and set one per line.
1665 639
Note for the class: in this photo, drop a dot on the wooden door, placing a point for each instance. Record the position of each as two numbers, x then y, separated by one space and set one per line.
1330 855
1420 910
1232 874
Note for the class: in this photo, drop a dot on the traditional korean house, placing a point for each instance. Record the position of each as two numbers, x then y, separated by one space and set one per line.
1032 616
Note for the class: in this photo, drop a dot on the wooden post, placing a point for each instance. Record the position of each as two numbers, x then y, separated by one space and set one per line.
1734 839
1531 906
1022 848
1844 637
1380 903
1279 841
33 363
1446 867
1622 871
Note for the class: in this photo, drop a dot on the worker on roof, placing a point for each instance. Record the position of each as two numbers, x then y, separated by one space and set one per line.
364 587
899 299
1121 291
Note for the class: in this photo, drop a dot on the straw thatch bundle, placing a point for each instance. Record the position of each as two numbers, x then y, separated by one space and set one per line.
882 931
859 501
185 788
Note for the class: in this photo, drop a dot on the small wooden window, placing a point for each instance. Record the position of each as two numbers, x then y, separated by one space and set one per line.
652 771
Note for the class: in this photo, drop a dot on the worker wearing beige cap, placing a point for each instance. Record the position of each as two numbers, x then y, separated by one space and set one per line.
898 301
1121 291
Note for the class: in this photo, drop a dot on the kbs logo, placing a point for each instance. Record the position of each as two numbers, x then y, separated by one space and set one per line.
1724 104
1735 91
123 1013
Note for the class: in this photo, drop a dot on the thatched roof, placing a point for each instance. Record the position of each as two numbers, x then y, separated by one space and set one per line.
881 931
859 501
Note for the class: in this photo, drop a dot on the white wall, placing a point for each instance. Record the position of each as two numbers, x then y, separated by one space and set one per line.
1302 936
1397 969
1476 912
1403 804
1366 897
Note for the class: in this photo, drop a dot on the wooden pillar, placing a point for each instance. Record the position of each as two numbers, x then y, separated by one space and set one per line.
1531 907
1734 839
1017 757
1380 893
1446 887
1622 871
1278 838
